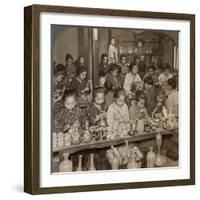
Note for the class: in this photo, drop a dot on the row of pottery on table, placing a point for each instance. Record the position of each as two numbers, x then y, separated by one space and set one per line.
75 134
131 156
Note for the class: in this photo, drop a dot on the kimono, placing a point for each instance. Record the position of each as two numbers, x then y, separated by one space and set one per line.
159 111
164 78
117 113
115 81
95 112
71 71
124 70
78 85
154 77
130 80
137 113
65 118
103 69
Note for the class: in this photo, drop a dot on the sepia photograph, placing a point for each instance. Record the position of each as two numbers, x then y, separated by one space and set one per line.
109 99
114 98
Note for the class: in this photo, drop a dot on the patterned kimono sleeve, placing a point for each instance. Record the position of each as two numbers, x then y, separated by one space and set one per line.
58 122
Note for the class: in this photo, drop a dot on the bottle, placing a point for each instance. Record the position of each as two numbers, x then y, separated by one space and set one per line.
79 168
92 166
151 158
66 165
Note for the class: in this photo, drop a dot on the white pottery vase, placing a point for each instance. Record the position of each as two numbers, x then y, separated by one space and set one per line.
151 158
66 165
79 168
92 166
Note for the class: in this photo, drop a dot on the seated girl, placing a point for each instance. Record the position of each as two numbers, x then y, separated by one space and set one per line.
113 76
70 67
151 72
80 62
132 78
165 75
124 67
97 111
118 111
68 113
103 66
138 110
160 109
80 83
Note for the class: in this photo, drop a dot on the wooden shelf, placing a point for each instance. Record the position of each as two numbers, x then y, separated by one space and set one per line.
103 144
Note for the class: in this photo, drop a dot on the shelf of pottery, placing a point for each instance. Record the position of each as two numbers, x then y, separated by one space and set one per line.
127 155
76 139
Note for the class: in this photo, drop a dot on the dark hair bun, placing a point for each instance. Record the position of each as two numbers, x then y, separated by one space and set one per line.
69 91
68 56
119 92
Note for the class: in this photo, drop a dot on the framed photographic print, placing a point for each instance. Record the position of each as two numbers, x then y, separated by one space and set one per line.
109 99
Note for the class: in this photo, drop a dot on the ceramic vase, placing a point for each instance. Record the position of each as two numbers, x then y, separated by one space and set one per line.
151 158
66 165
79 168
92 166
